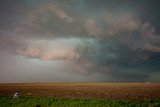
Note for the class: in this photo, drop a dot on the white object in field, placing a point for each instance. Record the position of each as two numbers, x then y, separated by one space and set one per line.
16 95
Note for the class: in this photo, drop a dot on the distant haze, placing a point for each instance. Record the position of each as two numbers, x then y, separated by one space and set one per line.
79 41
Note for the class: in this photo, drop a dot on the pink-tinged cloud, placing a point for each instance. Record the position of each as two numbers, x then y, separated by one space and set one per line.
92 28
57 53
59 12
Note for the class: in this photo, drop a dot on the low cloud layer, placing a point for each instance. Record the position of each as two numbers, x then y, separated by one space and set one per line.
49 54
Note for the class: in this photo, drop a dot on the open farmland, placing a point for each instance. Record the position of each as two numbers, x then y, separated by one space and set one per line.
111 91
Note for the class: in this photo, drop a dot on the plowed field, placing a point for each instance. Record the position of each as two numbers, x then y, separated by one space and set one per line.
114 91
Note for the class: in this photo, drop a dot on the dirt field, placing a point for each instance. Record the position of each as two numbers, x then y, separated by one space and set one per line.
120 91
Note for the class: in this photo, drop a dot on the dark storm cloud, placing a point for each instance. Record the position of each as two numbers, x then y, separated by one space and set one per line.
53 21
106 36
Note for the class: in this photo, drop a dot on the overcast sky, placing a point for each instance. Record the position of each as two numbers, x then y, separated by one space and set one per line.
79 41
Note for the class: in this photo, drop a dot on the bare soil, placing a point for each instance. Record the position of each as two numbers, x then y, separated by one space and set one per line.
118 91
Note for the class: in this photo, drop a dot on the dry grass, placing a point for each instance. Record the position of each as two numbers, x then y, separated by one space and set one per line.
118 91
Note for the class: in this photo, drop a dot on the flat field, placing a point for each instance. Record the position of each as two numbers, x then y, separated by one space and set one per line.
109 91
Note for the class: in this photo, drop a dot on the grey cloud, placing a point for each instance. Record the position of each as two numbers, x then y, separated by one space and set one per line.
54 21
49 21
131 31
10 43
91 27
86 42
131 76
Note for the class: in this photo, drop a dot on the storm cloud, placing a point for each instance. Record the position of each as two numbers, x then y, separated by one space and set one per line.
92 40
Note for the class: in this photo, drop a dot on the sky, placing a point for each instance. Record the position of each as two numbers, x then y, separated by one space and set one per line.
79 41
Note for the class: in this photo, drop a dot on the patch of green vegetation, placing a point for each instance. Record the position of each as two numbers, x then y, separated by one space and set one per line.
50 102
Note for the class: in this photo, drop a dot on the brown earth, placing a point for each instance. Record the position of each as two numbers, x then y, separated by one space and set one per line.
119 91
